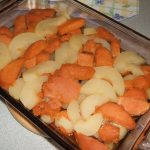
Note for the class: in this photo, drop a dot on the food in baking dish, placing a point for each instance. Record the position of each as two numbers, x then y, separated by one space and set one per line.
76 77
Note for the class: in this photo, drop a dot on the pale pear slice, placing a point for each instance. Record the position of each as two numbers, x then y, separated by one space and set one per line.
29 94
62 53
123 131
112 75
65 123
89 104
89 31
50 25
73 111
46 118
99 86
134 69
21 42
65 54
127 61
16 88
90 126
103 42
129 77
44 67
5 57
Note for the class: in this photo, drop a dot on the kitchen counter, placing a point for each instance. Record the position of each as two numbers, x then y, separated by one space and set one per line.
15 137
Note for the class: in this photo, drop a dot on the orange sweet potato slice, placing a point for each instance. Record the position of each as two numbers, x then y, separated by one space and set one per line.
85 59
90 47
136 93
43 56
115 47
128 84
61 88
5 30
71 25
35 49
76 71
109 133
52 45
103 57
20 25
36 15
141 82
133 106
29 63
10 73
89 143
105 34
116 113
5 39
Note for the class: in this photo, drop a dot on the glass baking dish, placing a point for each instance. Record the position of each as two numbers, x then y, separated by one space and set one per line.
130 40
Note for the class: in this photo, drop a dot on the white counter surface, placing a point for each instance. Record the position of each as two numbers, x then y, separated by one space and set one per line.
15 137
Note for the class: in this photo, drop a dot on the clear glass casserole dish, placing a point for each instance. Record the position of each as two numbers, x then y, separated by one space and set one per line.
130 40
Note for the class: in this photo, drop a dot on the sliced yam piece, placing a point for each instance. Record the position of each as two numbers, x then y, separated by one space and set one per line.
111 75
90 46
58 87
145 69
20 25
16 88
11 72
51 108
35 48
147 76
85 59
90 126
128 84
63 123
89 143
133 106
6 30
21 42
5 39
73 111
115 47
103 57
105 34
5 57
76 71
109 133
117 114
75 32
99 86
136 93
29 63
89 104
53 44
42 57
36 15
141 82
70 25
